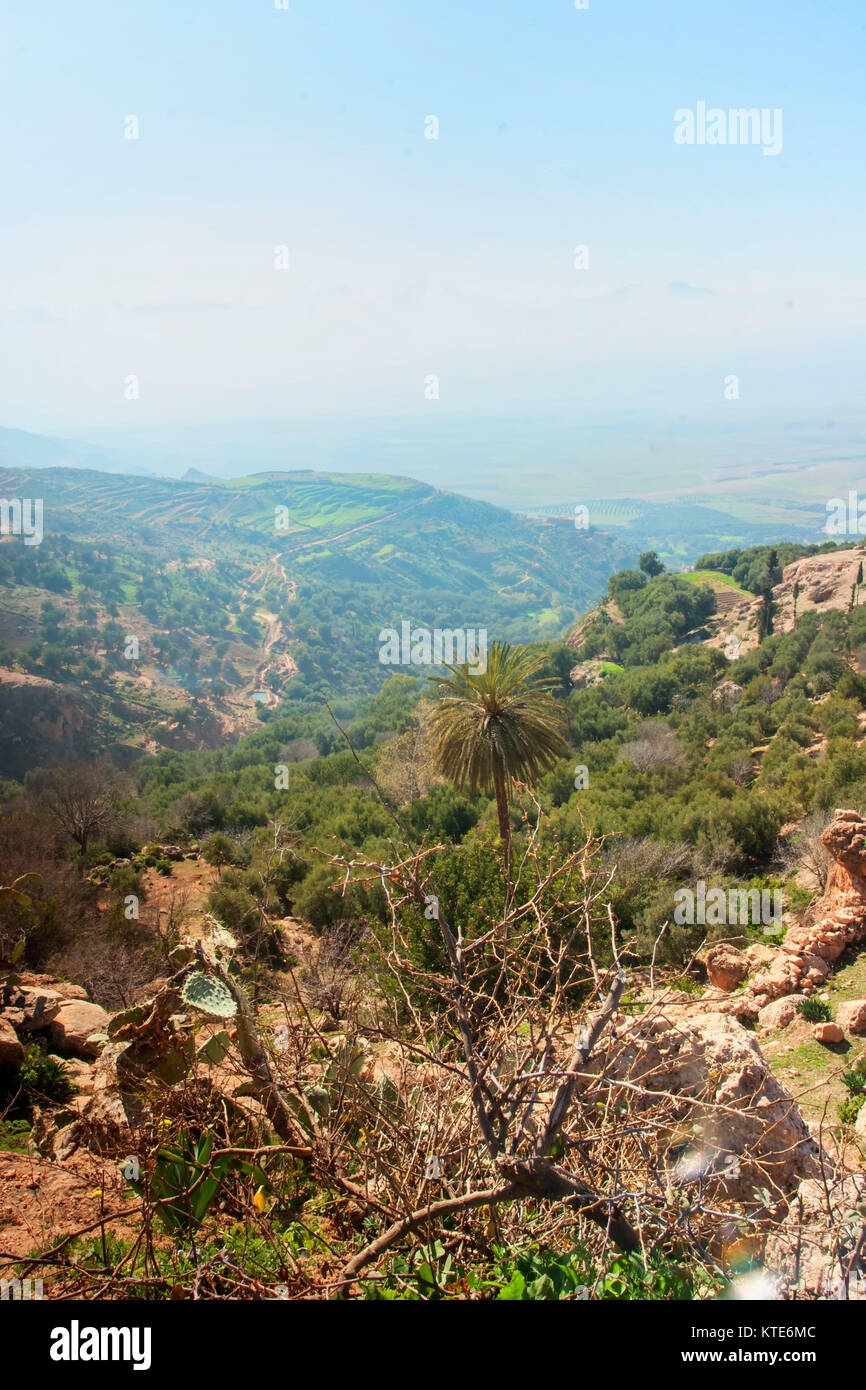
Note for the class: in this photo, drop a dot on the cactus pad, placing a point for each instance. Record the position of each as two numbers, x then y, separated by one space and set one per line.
209 995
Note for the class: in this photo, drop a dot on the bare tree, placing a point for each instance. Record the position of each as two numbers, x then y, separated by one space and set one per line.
80 798
332 977
803 849
655 746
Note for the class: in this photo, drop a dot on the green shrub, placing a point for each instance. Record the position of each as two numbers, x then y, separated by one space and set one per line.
850 1108
854 1079
813 1010
39 1078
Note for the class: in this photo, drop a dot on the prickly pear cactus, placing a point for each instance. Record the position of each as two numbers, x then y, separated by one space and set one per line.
181 955
209 995
215 1049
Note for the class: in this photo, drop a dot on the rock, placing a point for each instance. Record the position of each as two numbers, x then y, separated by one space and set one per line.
68 991
781 1012
726 967
727 693
813 1253
815 968
79 1072
112 1111
11 1050
40 1006
70 1030
827 1033
758 954
852 1016
63 988
836 922
860 1123
749 1133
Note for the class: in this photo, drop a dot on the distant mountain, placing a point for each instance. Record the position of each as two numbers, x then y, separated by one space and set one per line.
365 528
21 449
195 475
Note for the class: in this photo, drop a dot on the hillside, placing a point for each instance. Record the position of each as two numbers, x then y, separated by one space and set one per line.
244 594
308 904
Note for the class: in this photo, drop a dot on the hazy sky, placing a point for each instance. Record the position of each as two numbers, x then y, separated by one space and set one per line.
412 257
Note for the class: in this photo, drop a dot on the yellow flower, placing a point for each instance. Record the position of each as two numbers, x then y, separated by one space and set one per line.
260 1201
97 1192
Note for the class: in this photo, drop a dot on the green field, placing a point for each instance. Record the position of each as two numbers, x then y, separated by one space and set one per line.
716 580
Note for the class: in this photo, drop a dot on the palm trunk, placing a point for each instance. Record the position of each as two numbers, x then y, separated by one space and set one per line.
502 810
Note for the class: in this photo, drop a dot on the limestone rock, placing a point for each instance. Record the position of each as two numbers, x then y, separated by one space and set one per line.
836 922
749 1133
70 1030
40 1005
727 693
726 967
11 1050
827 1033
852 1016
63 988
780 1012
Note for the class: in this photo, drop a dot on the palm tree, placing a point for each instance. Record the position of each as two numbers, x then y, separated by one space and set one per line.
498 726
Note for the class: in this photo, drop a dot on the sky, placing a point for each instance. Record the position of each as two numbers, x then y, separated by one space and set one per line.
138 284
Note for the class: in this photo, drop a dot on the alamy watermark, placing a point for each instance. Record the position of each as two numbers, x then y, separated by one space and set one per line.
846 518
16 521
736 126
77 1343
443 646
716 907
20 1289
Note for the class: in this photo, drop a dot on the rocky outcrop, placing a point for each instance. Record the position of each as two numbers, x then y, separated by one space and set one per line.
727 693
813 583
837 921
32 1005
821 582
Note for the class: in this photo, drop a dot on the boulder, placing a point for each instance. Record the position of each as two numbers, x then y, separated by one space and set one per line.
40 1005
827 1033
70 1030
726 967
748 1131
69 991
780 1012
11 1050
111 1109
852 1016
